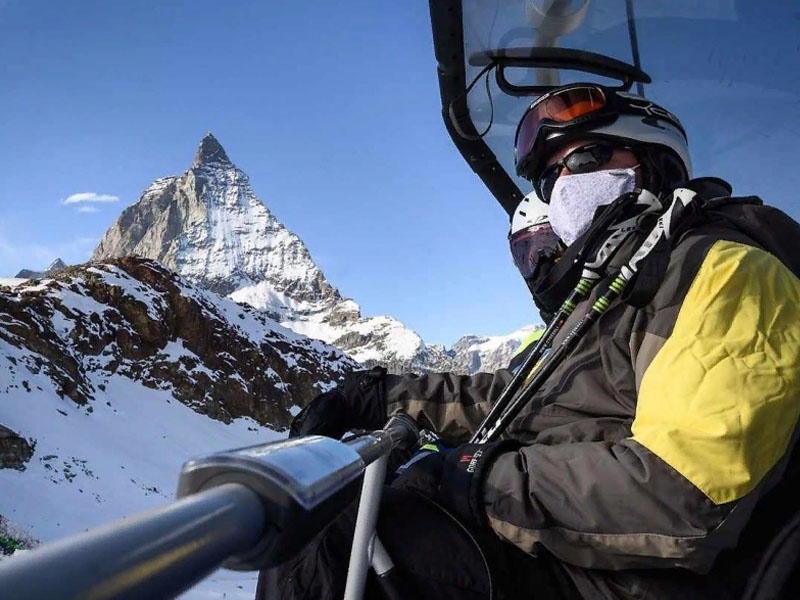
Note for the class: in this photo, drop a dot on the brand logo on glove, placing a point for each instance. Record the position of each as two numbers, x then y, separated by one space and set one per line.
472 459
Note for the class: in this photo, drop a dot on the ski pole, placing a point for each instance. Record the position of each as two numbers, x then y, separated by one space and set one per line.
529 364
590 276
662 231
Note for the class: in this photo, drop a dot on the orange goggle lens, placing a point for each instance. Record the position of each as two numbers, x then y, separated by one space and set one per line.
561 106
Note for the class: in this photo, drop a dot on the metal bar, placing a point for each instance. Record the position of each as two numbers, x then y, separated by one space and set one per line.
400 431
382 563
157 554
634 42
360 555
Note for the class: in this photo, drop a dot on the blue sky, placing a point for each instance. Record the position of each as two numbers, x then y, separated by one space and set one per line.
332 109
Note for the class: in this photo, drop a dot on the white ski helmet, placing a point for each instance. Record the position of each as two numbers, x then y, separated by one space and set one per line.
587 110
531 212
531 238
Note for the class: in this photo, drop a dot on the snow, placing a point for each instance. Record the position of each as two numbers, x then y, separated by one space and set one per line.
404 343
254 324
130 287
491 343
12 281
43 284
159 184
490 353
312 319
238 235
91 466
263 296
78 302
120 454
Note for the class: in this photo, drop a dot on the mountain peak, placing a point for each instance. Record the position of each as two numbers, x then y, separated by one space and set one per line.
56 265
210 151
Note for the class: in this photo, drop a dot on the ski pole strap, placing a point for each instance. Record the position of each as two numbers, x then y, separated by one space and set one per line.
645 205
665 227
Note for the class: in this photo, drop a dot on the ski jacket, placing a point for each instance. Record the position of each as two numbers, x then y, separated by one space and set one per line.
659 434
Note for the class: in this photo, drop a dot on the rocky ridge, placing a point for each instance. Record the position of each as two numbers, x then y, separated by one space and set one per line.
489 353
135 319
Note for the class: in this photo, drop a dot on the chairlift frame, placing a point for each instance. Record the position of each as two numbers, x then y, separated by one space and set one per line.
448 42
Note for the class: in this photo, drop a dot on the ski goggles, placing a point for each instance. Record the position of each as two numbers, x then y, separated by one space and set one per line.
530 246
584 159
563 107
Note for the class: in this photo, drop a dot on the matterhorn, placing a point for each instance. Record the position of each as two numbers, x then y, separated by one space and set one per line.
209 226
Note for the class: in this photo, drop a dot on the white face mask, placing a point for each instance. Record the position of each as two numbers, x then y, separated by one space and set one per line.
576 197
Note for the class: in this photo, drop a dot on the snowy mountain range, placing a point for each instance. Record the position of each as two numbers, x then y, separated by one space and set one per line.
209 226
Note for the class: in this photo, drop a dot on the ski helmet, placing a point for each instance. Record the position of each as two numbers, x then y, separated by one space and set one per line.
586 110
530 213
534 245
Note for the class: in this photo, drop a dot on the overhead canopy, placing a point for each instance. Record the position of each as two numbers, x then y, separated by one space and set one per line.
707 61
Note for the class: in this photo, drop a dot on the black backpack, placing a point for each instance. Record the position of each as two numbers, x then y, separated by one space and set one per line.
770 228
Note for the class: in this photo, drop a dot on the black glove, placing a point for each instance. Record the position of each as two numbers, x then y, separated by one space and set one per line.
453 478
358 403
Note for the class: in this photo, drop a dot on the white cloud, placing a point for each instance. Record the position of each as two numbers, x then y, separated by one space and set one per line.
90 197
87 208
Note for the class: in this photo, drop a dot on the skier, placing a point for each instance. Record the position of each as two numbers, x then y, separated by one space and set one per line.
656 460
535 249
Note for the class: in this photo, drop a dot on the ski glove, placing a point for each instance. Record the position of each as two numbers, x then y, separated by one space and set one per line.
359 402
453 478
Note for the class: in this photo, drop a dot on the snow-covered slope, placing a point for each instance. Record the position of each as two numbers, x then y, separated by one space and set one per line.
115 457
209 226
